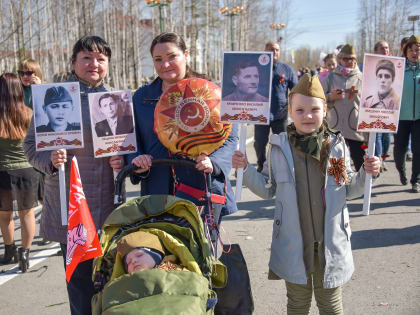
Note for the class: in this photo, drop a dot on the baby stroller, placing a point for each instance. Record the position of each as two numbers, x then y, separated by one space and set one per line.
178 224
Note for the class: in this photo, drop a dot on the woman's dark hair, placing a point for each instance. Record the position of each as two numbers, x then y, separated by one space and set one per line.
180 43
91 43
15 117
407 47
169 38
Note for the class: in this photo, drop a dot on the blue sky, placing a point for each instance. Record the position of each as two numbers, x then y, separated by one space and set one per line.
324 22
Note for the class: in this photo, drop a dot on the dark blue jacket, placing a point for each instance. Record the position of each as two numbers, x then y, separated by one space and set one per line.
160 179
284 79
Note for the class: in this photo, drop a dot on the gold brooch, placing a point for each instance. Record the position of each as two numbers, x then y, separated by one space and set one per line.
338 170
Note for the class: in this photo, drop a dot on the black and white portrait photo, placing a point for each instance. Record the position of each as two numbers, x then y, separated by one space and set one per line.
57 116
116 119
382 86
246 87
111 116
383 96
245 77
57 108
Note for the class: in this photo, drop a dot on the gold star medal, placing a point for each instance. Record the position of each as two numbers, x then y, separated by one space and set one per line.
187 118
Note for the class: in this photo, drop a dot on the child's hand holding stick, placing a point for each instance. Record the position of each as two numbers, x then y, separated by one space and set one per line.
239 160
372 165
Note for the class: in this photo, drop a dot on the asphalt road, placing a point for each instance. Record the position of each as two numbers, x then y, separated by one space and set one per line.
386 249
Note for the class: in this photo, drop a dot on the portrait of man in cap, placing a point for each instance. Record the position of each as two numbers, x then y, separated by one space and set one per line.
384 97
58 107
246 79
115 122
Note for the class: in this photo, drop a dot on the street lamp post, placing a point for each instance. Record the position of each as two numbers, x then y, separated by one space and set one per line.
231 12
413 18
277 28
159 4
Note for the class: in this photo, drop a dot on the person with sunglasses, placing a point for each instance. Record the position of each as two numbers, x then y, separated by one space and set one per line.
29 73
342 88
385 96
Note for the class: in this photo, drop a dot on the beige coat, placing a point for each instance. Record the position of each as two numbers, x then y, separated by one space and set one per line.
286 258
342 114
96 175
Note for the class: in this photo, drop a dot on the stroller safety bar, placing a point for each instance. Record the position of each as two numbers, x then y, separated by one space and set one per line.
130 169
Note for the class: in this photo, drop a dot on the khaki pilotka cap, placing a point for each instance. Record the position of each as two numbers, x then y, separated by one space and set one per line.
139 239
347 50
310 86
414 39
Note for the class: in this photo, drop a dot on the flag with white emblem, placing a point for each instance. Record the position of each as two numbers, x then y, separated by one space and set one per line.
82 238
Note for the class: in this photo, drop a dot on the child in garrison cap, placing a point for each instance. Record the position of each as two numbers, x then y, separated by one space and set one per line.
140 251
308 171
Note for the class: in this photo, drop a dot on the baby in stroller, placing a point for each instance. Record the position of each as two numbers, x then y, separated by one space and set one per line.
156 260
142 251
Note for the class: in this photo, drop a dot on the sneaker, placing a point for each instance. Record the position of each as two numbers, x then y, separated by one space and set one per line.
415 188
259 169
409 157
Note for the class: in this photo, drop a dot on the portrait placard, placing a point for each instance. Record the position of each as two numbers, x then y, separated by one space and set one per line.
112 121
57 116
246 87
382 86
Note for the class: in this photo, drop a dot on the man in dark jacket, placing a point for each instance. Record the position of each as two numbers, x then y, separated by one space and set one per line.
113 124
284 79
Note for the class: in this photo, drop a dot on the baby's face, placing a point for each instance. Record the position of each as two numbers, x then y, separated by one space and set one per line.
138 260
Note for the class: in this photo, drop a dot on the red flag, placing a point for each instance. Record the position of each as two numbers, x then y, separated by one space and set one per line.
82 239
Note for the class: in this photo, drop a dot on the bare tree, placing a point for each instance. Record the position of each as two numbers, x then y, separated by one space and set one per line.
30 26
15 40
47 29
382 20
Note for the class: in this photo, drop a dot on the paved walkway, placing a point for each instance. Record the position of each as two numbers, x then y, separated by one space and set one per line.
386 249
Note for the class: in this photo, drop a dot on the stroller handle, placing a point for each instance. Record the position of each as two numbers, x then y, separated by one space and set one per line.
129 169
